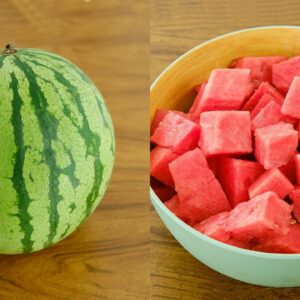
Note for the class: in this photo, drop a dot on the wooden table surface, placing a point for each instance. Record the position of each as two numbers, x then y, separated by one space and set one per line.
177 26
107 258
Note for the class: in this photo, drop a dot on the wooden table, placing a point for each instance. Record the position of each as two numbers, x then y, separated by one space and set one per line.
176 26
107 257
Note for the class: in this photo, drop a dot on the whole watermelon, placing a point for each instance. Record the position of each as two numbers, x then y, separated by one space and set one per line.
56 149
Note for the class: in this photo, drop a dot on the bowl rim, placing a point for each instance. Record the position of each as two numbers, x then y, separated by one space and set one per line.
155 198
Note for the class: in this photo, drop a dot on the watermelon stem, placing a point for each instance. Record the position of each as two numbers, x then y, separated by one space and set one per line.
9 49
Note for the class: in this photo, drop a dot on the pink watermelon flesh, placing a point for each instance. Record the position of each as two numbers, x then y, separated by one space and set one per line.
282 243
291 104
159 164
297 168
271 180
263 216
176 208
214 227
295 197
268 115
284 72
275 144
289 170
236 176
162 191
226 90
213 164
177 133
264 88
198 190
225 132
260 66
237 243
195 109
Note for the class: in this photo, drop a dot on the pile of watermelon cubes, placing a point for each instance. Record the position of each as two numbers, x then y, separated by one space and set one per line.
230 167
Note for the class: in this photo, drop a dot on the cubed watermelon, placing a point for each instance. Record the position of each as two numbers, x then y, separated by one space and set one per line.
237 243
176 208
162 191
214 227
271 180
260 66
159 164
226 90
284 72
282 243
275 144
295 197
177 133
291 104
297 167
225 132
261 217
289 170
235 176
195 109
264 88
213 164
198 189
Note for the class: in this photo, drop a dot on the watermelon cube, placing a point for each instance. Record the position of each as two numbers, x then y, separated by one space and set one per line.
176 208
289 170
195 109
198 189
275 144
291 104
295 197
159 164
176 133
282 243
263 89
235 176
260 66
225 132
237 243
213 164
263 216
162 191
297 167
271 180
214 227
284 72
226 90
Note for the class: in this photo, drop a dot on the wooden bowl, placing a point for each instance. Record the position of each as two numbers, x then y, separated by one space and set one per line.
173 89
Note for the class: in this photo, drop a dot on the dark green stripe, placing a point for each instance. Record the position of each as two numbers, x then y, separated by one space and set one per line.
92 140
18 179
48 126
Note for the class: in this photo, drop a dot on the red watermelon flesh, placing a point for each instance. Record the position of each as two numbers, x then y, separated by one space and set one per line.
284 72
226 90
295 197
162 191
289 170
225 132
198 189
260 66
177 133
195 109
264 88
176 208
291 104
261 217
271 180
237 243
236 175
214 227
275 144
297 168
159 164
213 164
282 243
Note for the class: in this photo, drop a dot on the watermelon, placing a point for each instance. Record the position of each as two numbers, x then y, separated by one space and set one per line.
214 227
213 164
235 176
57 149
226 90
225 132
282 243
176 133
263 216
195 109
260 66
198 189
263 89
295 197
162 191
271 180
176 208
297 167
237 243
160 158
289 170
291 104
284 72
275 144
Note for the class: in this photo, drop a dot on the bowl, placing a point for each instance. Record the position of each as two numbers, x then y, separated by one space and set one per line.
173 89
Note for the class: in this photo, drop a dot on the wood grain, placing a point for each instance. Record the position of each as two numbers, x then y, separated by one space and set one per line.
177 26
107 258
